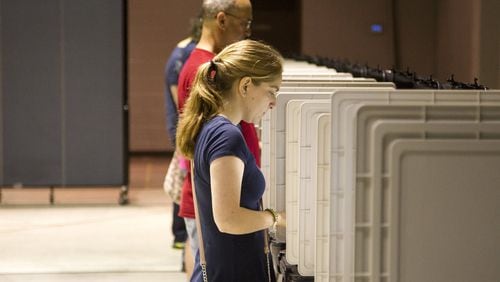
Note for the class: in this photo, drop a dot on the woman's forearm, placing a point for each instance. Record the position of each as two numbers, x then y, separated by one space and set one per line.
242 221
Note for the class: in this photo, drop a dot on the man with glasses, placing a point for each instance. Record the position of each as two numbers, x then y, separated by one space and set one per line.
246 23
224 22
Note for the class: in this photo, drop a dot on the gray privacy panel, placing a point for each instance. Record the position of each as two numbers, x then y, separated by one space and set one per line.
448 214
93 75
62 93
30 90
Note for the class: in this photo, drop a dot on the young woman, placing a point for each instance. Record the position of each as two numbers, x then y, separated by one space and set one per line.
240 83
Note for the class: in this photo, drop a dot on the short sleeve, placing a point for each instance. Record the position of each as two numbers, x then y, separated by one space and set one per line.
228 141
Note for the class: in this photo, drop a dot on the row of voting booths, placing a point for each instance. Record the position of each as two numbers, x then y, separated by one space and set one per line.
380 184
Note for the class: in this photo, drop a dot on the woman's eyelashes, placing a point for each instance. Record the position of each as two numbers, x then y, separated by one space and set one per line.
273 93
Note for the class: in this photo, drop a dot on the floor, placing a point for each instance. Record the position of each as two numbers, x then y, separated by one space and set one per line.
85 235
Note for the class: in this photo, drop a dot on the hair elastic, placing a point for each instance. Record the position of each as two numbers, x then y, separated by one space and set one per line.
212 71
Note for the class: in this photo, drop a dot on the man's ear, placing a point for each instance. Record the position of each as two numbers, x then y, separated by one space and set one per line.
221 19
244 84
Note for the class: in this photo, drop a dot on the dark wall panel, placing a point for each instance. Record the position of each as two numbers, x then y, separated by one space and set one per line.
93 69
62 94
31 92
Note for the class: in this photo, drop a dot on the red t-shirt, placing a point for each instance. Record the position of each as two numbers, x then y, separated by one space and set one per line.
186 78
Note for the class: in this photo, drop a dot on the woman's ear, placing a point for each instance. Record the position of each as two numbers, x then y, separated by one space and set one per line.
244 84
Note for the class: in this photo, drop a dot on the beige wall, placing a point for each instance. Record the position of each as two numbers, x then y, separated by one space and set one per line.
416 35
456 41
431 37
154 27
489 47
447 37
341 29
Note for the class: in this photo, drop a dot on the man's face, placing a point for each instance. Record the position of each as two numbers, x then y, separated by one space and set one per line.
239 22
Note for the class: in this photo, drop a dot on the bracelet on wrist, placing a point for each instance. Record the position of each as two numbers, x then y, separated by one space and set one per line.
275 218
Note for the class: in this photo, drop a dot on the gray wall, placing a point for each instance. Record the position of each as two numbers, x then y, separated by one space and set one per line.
62 93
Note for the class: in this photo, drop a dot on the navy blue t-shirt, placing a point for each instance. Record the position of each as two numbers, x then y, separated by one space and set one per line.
172 70
229 257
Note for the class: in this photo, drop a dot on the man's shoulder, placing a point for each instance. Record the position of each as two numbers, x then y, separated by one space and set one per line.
200 56
197 57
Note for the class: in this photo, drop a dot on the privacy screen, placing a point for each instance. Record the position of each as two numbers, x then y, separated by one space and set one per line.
62 94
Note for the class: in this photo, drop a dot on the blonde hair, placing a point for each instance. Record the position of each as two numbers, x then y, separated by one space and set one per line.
214 79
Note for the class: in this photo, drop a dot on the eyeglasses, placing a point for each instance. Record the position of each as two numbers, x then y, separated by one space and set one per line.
248 22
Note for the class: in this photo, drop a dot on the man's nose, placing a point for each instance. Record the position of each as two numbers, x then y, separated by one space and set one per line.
248 33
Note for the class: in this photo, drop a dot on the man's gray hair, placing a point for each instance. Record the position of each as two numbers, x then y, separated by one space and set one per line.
210 8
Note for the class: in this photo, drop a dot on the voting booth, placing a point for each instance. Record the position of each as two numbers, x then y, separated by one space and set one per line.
381 184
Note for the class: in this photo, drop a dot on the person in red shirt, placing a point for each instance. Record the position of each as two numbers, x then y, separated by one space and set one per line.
224 22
